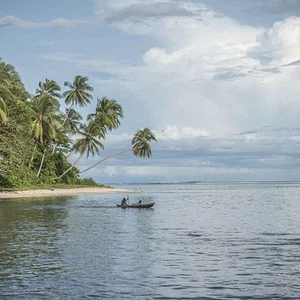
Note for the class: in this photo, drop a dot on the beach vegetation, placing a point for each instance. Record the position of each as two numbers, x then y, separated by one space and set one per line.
39 133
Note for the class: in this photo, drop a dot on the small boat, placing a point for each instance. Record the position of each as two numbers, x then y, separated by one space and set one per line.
137 205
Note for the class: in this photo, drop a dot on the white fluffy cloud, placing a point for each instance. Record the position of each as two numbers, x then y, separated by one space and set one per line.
206 71
209 72
172 132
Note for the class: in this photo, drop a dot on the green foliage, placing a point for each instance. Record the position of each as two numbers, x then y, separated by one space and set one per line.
88 182
35 136
17 141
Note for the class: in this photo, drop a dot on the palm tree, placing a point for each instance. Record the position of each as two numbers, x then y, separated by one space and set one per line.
140 146
141 143
49 87
71 123
61 138
46 121
42 162
89 143
107 114
46 118
78 93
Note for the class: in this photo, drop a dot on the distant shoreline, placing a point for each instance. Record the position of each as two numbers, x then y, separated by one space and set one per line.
63 192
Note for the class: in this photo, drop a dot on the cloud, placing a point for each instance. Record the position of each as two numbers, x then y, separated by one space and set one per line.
265 154
140 11
205 70
293 63
271 70
56 23
229 75
140 17
172 132
282 40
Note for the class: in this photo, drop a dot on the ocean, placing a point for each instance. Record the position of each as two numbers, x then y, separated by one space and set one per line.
201 240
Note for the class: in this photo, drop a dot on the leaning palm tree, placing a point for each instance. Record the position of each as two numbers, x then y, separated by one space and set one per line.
140 147
108 113
89 143
141 143
106 116
79 92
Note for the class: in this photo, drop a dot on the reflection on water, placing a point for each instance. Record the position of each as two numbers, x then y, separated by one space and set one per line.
207 241
30 244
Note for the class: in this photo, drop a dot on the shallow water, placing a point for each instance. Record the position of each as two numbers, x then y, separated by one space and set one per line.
200 241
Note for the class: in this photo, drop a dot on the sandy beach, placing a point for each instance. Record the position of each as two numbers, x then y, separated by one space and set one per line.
63 192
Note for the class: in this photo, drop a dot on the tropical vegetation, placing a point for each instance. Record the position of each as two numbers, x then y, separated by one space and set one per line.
37 137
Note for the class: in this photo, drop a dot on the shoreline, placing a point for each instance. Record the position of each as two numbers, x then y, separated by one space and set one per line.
63 192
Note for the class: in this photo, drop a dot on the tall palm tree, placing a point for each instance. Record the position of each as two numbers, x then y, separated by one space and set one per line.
46 121
42 162
46 118
89 143
78 95
107 114
79 92
140 147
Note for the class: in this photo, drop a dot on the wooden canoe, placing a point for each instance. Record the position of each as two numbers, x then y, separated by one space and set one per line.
137 205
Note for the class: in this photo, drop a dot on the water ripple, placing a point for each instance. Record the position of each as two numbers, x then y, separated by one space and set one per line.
210 241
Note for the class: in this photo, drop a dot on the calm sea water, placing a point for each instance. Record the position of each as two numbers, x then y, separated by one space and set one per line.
200 241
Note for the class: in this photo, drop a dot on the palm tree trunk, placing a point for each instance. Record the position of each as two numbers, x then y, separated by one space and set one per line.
70 153
102 160
32 156
70 167
64 122
41 164
54 148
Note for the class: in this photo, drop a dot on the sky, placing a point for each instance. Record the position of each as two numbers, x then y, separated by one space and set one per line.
217 81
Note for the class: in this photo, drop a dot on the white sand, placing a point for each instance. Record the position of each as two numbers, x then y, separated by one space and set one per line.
63 192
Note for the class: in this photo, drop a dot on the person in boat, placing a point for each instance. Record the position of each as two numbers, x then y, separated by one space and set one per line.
123 202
